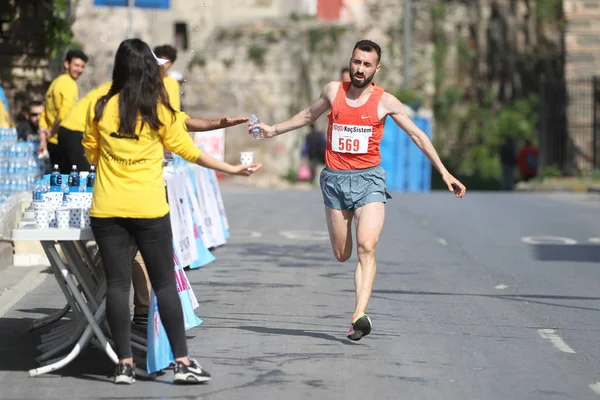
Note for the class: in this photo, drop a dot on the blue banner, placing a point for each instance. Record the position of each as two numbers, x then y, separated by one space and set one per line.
159 4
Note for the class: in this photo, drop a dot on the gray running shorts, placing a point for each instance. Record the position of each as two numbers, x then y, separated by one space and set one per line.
352 189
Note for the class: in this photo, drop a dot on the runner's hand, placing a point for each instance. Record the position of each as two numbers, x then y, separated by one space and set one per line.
246 169
267 130
454 185
226 122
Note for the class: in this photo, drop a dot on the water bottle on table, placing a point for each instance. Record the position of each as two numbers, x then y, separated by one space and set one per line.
91 179
257 133
74 180
55 179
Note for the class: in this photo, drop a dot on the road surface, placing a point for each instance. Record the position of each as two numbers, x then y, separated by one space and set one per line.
495 296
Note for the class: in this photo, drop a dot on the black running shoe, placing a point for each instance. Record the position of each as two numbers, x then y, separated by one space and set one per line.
124 374
361 326
192 373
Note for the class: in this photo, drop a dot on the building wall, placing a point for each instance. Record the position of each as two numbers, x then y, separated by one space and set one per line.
582 38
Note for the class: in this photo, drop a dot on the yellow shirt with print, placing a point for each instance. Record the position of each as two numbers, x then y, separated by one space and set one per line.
60 98
129 180
172 88
76 118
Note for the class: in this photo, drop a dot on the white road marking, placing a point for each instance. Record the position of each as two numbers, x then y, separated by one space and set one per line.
556 340
500 287
29 282
443 242
305 235
595 387
547 240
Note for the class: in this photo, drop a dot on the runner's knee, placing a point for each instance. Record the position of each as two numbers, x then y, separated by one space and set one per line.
342 255
367 248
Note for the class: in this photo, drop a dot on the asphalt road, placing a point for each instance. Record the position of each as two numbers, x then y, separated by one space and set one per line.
468 304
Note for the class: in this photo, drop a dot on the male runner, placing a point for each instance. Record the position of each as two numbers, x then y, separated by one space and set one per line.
353 183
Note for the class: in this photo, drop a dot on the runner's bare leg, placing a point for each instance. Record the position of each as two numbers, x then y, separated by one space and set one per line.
339 224
369 221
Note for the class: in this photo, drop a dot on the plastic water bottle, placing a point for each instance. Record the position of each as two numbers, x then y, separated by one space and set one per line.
91 179
38 190
64 188
74 179
257 133
55 179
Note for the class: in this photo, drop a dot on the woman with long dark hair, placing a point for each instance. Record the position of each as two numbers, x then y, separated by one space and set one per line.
125 134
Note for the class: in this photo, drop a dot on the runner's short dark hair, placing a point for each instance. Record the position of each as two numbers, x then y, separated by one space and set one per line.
368 45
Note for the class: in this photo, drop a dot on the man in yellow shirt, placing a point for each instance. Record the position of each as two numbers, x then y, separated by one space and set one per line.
70 133
60 98
169 53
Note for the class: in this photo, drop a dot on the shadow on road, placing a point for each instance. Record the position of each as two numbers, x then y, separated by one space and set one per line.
566 252
18 350
295 332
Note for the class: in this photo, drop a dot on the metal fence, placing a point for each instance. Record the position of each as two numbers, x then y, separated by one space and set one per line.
570 124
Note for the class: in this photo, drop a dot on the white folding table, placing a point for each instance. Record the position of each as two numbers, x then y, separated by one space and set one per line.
80 275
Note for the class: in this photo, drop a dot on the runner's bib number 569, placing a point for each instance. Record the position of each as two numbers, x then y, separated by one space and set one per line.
353 139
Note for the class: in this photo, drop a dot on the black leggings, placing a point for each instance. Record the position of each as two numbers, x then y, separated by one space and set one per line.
118 239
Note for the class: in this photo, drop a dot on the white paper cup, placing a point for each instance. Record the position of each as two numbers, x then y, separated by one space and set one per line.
246 157
43 217
41 205
75 220
86 220
62 218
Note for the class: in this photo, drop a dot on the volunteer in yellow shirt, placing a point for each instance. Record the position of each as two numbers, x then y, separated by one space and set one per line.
169 53
5 120
60 98
125 134
70 133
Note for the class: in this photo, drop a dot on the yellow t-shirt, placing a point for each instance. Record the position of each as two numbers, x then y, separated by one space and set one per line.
5 120
60 98
129 181
75 119
172 87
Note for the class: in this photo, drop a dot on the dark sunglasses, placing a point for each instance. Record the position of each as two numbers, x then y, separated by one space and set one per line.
34 114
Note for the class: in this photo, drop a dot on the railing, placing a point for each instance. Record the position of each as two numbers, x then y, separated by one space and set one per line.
570 124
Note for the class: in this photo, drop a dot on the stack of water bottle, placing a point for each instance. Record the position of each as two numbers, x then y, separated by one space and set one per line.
64 201
19 165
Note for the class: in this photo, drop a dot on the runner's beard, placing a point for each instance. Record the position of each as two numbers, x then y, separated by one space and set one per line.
366 81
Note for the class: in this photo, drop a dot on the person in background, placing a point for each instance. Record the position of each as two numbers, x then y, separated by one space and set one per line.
28 129
169 53
70 133
5 119
4 100
528 160
345 74
508 160
60 98
125 133
314 149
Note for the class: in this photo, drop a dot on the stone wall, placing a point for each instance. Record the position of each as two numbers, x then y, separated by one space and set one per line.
582 41
582 38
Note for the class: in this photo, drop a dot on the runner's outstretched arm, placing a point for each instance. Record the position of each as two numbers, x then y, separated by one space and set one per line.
303 118
395 109
202 125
